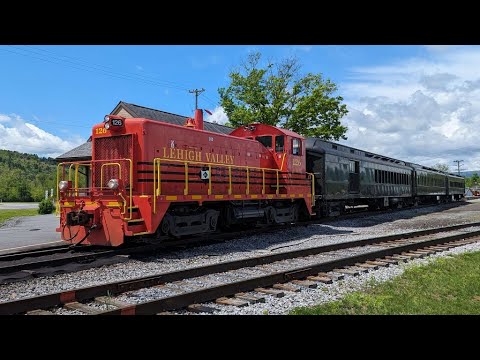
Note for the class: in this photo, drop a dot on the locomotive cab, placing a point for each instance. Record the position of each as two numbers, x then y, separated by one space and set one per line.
286 147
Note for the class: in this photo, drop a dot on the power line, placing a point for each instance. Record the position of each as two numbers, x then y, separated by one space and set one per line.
458 165
75 67
80 64
91 68
196 92
109 71
210 101
183 86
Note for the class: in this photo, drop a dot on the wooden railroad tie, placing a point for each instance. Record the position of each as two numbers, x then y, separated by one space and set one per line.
250 298
332 276
81 307
199 308
347 272
306 283
231 301
274 292
322 279
286 287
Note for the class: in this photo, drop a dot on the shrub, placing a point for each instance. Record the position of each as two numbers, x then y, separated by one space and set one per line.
45 207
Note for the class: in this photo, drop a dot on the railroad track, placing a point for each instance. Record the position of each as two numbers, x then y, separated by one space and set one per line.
47 261
245 281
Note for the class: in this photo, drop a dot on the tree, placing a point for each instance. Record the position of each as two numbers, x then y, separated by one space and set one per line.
277 95
475 179
441 167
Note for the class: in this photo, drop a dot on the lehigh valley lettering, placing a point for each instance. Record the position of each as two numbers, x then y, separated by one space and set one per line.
198 156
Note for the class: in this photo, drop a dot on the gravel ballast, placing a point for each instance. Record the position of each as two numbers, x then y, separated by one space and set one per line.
286 240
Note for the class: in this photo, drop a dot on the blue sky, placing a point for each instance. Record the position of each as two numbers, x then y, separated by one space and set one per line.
416 103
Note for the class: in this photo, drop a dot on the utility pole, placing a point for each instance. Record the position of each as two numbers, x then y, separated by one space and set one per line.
196 92
458 165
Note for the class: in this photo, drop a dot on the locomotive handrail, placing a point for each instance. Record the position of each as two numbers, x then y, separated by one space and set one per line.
210 180
283 160
185 190
110 164
157 177
76 176
229 180
312 175
120 194
89 163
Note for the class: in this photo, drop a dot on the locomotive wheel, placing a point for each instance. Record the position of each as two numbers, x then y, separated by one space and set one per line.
213 222
296 213
165 226
270 215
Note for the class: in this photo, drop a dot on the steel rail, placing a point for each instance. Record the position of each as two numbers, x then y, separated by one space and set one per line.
86 293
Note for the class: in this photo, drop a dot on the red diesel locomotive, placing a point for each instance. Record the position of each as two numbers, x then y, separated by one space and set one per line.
149 178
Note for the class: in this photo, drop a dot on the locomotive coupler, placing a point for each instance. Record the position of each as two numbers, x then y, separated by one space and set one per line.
78 218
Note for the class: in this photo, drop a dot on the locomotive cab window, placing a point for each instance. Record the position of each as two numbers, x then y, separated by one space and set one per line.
279 143
296 147
265 140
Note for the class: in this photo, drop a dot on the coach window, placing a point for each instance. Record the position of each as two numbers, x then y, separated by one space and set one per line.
265 140
279 143
296 149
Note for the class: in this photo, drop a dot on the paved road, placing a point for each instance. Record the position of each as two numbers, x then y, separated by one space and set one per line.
16 206
27 231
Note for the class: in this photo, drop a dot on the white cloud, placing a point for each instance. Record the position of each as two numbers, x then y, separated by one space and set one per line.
420 110
218 116
4 118
21 136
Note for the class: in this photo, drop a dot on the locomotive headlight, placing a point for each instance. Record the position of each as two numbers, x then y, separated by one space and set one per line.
63 185
106 118
107 125
113 184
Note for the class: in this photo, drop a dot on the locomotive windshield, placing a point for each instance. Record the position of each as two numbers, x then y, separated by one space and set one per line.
265 140
279 143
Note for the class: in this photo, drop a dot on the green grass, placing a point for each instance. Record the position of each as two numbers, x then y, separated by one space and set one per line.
7 214
446 286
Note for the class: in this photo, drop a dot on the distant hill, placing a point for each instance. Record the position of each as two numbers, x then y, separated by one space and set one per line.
469 173
25 177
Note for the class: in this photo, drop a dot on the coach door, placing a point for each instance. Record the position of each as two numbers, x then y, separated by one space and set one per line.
354 177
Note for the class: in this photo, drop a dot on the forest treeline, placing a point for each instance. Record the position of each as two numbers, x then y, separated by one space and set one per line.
25 177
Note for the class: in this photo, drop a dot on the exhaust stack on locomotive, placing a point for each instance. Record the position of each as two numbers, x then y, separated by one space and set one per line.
197 121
